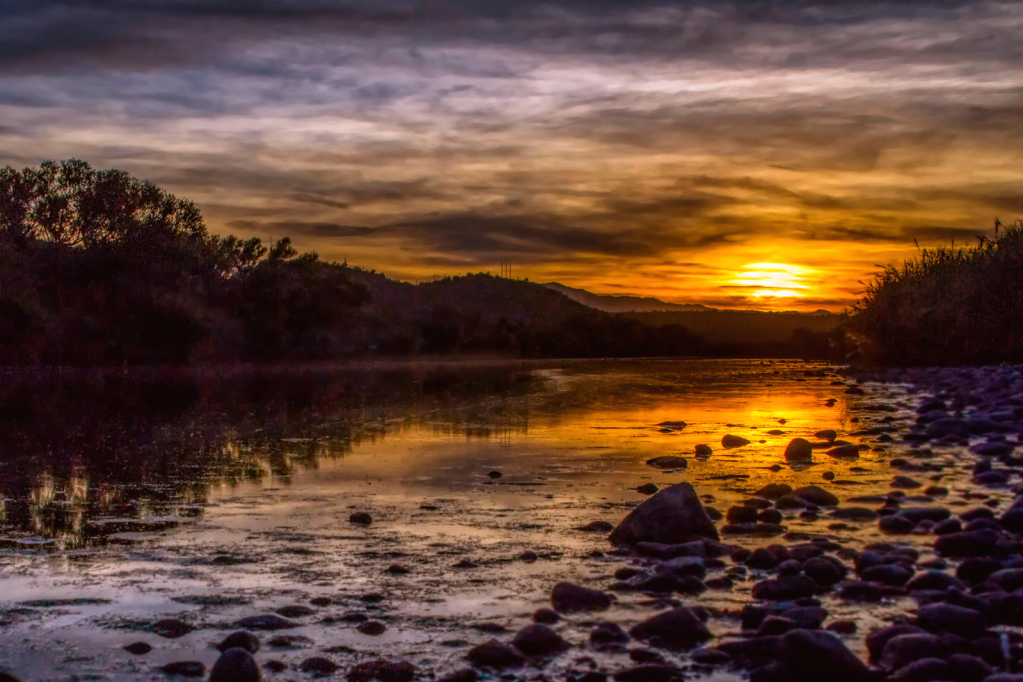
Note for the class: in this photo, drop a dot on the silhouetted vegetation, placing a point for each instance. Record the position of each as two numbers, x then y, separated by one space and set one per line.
948 306
99 268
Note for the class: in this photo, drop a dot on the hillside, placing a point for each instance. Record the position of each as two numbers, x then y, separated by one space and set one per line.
610 303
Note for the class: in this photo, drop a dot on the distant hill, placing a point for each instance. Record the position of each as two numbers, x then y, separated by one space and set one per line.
612 303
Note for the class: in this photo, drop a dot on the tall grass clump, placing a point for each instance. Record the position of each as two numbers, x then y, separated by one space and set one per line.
948 305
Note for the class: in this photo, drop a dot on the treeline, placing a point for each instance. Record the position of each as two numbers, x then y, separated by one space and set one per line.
99 268
948 305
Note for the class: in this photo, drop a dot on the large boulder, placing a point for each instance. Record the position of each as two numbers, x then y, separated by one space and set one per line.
812 655
673 516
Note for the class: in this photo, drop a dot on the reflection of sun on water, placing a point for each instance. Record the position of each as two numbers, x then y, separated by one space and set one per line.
773 279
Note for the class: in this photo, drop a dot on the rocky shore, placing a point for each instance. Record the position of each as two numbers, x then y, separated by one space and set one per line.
920 583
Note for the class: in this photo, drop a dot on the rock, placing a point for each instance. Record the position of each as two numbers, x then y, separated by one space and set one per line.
267 622
948 618
816 495
295 611
825 571
968 543
321 601
977 570
275 666
608 633
730 441
788 588
366 671
672 516
922 670
598 527
568 598
1009 579
774 491
361 519
741 514
904 649
138 648
918 514
770 516
799 450
393 569
711 657
844 452
855 514
703 450
529 556
904 482
396 671
495 655
235 665
171 628
240 640
319 666
649 672
668 462
888 574
185 669
968 668
539 640
895 525
463 675
826 434
676 628
373 628
842 627
934 580
647 489
806 653
877 639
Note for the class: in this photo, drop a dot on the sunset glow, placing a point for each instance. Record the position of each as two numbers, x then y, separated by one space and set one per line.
761 158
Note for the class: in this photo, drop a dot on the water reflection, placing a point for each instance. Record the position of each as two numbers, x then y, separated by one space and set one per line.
95 458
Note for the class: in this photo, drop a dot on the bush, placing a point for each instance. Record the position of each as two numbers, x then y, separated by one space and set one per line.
948 306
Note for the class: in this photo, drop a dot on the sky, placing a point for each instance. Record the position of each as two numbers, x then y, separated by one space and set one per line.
765 155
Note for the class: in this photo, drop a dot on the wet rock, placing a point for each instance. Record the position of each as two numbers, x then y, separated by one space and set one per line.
741 514
529 556
373 628
240 640
677 628
568 598
598 527
844 452
805 653
825 571
674 515
495 655
855 514
859 590
607 633
668 462
879 638
275 666
319 666
842 627
977 543
711 657
901 650
393 569
799 450
172 628
321 601
138 648
775 625
266 622
954 619
934 580
185 669
466 563
788 588
828 475
494 474
730 441
888 574
904 482
463 675
703 450
235 665
774 491
826 434
966 668
923 670
647 489
816 495
295 611
539 640
770 516
649 672
360 519
895 525
397 671
663 551
977 570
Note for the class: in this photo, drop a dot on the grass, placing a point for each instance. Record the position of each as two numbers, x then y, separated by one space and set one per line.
948 305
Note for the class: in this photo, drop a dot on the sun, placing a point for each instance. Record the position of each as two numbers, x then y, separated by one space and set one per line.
776 280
